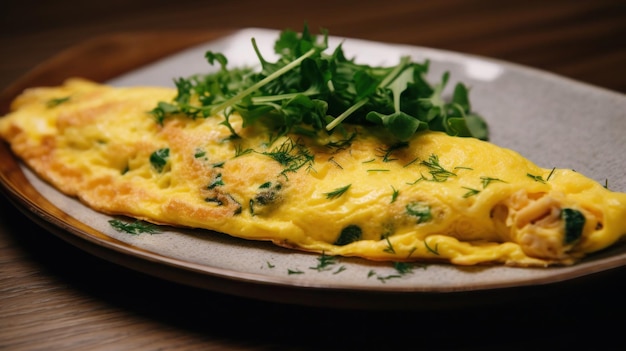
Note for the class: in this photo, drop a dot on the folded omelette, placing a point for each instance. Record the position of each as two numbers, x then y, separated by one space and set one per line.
355 193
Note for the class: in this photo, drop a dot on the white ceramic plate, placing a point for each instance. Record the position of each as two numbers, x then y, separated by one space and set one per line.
554 121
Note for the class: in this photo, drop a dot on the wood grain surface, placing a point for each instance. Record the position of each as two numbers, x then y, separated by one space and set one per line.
54 296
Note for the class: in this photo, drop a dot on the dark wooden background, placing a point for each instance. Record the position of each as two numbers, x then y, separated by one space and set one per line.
55 297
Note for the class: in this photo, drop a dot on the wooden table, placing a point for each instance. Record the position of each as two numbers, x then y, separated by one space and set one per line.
54 296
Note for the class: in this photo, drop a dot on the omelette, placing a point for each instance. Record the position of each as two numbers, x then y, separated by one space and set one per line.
433 197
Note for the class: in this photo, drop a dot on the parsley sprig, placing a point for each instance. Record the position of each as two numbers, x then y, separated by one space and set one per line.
308 90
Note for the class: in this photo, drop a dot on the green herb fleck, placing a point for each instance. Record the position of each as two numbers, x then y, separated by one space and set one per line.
420 210
378 170
199 153
134 228
340 269
349 235
324 262
214 200
342 144
389 248
438 172
337 192
394 194
536 178
294 271
56 102
551 173
217 181
470 192
434 250
403 267
291 155
158 159
387 153
488 180
239 151
574 224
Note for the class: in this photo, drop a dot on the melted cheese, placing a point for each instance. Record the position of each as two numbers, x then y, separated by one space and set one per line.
438 197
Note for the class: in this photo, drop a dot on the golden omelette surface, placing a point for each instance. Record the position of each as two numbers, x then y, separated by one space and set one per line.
437 197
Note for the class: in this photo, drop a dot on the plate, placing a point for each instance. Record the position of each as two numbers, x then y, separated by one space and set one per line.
554 121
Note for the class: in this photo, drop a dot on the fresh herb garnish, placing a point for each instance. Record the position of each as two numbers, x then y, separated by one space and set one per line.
432 250
470 192
438 172
217 181
349 235
158 159
309 90
386 153
134 228
488 180
551 173
574 224
389 248
536 178
337 192
199 153
292 155
324 262
394 194
56 102
402 269
420 210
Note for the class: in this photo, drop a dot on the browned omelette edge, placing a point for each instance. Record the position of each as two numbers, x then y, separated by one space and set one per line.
133 50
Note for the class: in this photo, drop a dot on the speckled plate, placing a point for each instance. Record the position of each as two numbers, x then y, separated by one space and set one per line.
554 121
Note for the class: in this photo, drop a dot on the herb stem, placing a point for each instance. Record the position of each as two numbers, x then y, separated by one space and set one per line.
335 122
293 64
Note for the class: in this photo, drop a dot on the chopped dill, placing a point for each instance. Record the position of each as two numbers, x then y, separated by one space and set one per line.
332 160
488 180
432 250
340 269
378 170
134 228
387 153
324 262
337 192
470 192
239 151
217 181
411 162
291 155
536 178
438 173
57 101
551 173
389 248
394 194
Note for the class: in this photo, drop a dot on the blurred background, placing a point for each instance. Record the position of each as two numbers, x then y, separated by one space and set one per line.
578 39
